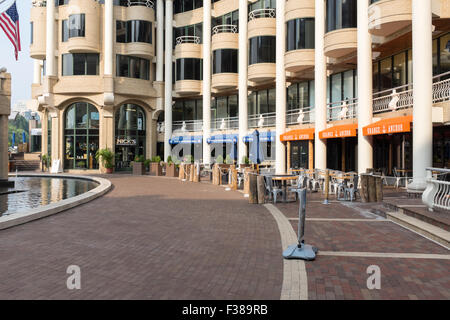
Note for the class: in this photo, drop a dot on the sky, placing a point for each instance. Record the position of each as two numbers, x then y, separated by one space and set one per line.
21 70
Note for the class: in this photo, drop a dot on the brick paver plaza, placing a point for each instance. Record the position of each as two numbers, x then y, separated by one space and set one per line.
159 238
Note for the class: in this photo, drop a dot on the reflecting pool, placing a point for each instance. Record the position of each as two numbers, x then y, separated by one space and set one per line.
33 192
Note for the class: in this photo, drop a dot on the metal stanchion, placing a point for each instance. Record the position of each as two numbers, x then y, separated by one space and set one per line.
327 187
301 250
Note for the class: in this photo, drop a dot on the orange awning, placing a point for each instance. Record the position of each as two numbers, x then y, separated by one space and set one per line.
300 134
387 126
344 131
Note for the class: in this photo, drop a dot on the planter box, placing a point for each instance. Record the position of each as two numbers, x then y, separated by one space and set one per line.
155 169
172 171
138 168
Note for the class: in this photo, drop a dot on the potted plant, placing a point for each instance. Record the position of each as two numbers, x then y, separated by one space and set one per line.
155 166
172 167
245 162
219 159
138 166
46 160
228 159
106 157
147 164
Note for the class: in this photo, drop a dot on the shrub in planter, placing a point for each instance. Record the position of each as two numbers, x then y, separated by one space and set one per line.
219 160
155 166
106 157
138 166
172 169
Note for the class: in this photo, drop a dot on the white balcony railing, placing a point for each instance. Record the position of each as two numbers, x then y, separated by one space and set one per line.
437 193
187 126
300 116
262 13
146 3
402 97
225 28
347 109
230 123
188 39
262 120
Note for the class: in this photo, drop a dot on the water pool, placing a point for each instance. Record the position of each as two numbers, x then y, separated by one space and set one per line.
33 192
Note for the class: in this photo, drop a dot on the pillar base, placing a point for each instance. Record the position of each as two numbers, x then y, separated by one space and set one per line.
418 185
5 183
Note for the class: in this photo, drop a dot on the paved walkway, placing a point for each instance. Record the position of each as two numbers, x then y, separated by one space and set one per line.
159 238
149 238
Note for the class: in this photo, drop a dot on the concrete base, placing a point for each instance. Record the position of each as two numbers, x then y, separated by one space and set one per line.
302 252
7 184
418 185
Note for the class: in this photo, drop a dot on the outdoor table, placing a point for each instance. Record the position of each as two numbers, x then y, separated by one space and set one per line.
284 179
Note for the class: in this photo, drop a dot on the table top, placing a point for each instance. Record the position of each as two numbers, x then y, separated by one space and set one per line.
285 178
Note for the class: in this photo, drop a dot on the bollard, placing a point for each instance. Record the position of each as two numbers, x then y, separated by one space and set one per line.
261 190
327 187
301 250
379 189
234 178
253 189
364 188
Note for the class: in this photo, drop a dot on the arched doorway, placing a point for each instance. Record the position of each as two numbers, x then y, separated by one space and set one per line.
130 135
81 136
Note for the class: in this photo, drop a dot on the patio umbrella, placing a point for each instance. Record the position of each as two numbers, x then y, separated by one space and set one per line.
23 137
256 154
13 140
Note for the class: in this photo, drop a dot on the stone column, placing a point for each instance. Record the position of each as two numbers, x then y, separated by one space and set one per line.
365 89
280 151
243 76
50 42
206 81
423 92
5 110
168 83
37 71
160 51
320 86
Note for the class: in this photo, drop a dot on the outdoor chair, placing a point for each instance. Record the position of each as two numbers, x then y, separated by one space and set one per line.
300 184
351 190
271 190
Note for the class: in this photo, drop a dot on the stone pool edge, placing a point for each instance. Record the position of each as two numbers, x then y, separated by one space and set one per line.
57 207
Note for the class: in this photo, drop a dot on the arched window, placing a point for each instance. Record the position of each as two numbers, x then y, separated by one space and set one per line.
81 141
130 135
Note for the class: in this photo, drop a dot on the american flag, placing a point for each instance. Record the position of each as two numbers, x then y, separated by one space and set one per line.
9 22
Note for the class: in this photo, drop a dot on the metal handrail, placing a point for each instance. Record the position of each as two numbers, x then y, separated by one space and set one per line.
188 125
147 3
345 109
225 28
188 39
229 123
262 13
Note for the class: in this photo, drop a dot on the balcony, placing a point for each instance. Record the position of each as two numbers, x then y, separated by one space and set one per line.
341 42
262 22
299 9
300 116
342 110
224 81
389 16
401 98
225 37
263 120
261 72
230 123
145 3
299 60
188 47
187 126
188 87
38 18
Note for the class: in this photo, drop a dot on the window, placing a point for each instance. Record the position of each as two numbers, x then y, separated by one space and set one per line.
300 34
195 30
225 61
181 6
81 128
77 25
189 69
184 110
132 67
64 30
262 50
31 32
134 31
341 14
78 64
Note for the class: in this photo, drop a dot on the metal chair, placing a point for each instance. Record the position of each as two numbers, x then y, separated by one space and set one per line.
271 190
351 190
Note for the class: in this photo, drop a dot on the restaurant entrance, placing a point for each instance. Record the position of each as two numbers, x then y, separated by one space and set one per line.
392 151
341 154
299 155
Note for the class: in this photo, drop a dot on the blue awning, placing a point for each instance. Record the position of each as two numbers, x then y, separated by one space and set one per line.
268 136
186 140
223 138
